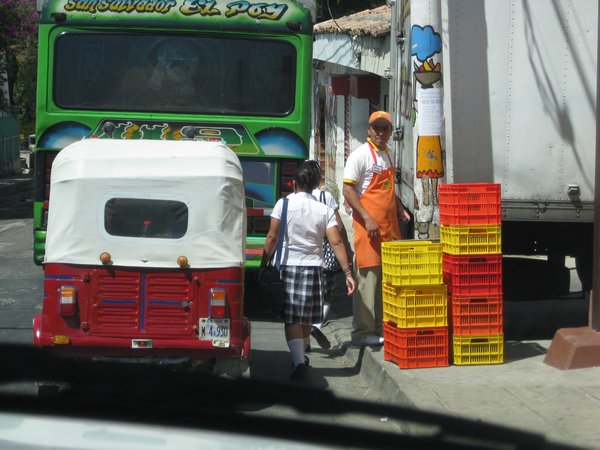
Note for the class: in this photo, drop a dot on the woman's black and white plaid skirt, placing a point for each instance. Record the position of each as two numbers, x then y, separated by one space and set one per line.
303 294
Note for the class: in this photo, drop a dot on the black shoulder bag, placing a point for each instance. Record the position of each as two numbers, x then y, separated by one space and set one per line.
270 280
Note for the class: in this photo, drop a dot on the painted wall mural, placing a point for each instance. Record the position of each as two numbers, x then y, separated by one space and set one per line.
426 47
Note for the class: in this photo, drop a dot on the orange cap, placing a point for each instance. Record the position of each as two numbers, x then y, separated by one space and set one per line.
383 115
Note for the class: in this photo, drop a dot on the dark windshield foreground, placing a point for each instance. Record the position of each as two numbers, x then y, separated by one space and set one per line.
159 73
195 400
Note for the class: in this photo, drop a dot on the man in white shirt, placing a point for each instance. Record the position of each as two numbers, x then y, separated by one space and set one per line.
369 189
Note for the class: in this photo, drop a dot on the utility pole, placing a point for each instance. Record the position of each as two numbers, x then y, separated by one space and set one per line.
392 72
427 97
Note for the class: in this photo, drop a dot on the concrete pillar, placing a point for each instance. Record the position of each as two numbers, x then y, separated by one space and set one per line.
427 132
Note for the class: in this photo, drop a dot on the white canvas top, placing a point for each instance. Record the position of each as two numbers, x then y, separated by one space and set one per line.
206 177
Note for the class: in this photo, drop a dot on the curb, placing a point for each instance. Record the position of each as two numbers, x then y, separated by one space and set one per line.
371 369
372 366
381 380
375 374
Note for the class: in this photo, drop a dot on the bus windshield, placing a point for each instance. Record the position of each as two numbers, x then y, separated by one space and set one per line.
174 74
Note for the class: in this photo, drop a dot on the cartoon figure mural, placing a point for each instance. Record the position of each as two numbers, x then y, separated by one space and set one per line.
425 45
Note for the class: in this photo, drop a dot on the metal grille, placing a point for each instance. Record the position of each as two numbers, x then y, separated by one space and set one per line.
147 304
169 304
116 308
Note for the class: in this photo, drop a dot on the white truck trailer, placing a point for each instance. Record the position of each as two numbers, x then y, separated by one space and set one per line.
509 97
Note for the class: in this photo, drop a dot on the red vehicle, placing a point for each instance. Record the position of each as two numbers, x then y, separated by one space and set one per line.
145 253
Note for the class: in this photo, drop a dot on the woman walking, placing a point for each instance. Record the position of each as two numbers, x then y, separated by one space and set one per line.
308 222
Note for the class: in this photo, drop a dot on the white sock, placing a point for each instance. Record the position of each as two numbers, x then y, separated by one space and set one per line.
306 342
297 350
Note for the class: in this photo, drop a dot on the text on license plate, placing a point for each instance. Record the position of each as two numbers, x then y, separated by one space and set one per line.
215 330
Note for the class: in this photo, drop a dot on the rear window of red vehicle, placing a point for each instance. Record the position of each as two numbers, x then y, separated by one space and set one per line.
146 218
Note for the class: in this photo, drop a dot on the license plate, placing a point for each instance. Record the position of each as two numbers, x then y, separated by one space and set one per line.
141 343
215 330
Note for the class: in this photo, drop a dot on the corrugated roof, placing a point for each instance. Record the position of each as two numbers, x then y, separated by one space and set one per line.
374 22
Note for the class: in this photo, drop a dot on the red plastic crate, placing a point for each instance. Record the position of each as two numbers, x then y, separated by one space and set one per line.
473 275
476 315
470 204
413 348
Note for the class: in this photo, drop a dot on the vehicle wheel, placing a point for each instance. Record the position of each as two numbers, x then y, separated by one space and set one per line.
584 263
533 279
232 367
201 365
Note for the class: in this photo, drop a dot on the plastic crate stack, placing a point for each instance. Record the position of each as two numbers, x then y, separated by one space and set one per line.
415 304
470 233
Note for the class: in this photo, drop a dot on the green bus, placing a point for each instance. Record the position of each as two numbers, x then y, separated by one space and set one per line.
237 72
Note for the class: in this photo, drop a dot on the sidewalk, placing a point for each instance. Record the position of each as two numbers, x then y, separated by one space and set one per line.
523 392
15 188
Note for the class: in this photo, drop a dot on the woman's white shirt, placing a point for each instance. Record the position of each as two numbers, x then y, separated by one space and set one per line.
307 221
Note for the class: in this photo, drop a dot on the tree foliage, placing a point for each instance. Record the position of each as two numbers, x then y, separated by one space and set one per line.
18 54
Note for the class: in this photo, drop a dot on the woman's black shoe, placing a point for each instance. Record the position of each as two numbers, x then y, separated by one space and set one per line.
306 362
299 373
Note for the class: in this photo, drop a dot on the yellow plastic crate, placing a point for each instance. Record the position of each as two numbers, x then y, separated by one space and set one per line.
478 349
411 263
471 239
423 306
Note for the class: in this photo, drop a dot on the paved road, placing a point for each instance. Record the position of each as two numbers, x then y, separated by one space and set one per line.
20 281
21 295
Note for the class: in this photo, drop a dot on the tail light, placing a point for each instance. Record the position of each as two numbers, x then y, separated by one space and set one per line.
67 300
47 169
45 214
217 298
49 158
287 177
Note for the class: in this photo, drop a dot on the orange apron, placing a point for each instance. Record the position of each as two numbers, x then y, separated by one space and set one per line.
379 199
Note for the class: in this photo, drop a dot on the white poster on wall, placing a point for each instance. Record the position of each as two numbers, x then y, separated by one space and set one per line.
430 114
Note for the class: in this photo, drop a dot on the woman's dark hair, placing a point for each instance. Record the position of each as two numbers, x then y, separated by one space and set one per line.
308 175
